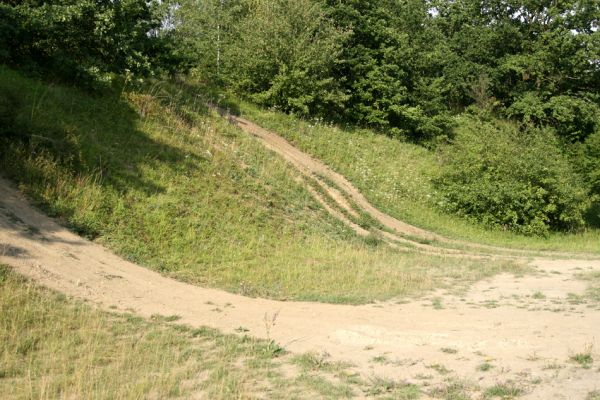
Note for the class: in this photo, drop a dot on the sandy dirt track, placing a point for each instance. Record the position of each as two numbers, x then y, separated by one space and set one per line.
528 340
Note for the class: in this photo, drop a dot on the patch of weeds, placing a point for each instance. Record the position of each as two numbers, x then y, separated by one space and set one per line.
448 350
507 390
593 290
372 240
453 390
584 359
272 349
164 318
491 304
382 359
436 303
595 395
484 367
575 299
313 361
423 377
553 366
396 390
538 295
325 387
439 368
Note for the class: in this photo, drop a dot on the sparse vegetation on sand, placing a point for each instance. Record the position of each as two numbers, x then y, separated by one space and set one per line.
52 347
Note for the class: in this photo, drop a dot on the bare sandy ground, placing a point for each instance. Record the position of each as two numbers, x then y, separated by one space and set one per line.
526 337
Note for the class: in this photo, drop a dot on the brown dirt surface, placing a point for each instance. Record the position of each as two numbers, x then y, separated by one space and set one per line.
525 337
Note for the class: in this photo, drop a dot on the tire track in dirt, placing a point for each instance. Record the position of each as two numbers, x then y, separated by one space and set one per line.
496 321
395 231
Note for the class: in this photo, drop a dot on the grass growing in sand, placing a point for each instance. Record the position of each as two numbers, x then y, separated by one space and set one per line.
52 347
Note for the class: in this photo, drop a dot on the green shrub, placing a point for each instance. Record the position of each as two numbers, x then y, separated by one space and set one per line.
516 180
591 162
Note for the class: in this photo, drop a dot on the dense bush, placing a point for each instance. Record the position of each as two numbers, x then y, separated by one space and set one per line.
591 162
83 41
516 180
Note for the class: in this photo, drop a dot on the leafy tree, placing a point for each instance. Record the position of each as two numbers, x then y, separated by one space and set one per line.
81 40
387 67
280 53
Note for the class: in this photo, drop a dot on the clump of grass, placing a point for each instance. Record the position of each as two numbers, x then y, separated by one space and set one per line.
592 292
595 395
452 390
439 368
584 358
448 350
538 295
436 303
484 367
504 391
392 389
319 362
381 359
167 318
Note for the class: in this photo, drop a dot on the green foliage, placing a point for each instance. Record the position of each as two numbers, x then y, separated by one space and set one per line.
159 180
396 177
512 179
573 118
591 162
385 67
280 53
404 66
83 41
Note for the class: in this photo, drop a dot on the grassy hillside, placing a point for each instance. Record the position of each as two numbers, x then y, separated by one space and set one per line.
160 180
397 178
52 347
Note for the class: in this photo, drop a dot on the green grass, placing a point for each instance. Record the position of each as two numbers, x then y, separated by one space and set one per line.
584 358
448 350
503 391
160 180
484 367
390 389
452 390
53 347
397 178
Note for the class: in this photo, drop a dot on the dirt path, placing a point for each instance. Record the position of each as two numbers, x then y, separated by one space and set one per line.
525 337
346 202
525 328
